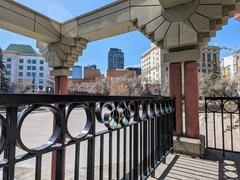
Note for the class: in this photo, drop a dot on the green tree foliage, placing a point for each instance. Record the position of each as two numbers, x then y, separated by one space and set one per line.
4 86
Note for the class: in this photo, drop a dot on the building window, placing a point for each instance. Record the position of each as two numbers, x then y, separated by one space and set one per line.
9 59
21 61
41 61
209 58
34 68
40 81
8 73
40 74
29 61
28 74
21 67
9 66
34 61
29 67
41 68
204 71
33 74
20 74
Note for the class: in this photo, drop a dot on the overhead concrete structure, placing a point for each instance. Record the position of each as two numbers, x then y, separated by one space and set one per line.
175 25
25 21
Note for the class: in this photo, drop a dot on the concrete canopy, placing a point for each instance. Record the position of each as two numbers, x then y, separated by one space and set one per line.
175 25
25 21
171 3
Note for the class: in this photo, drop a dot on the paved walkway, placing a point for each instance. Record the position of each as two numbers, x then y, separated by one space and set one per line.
214 167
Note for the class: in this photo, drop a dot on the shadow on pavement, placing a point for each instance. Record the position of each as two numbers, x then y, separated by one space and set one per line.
213 167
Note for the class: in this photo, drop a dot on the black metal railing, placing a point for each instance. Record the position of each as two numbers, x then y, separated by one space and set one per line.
222 123
143 127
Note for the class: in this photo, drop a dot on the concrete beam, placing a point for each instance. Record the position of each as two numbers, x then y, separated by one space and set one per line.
22 20
171 3
110 20
182 56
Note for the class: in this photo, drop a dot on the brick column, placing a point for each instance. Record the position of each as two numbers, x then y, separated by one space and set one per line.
191 99
175 81
61 83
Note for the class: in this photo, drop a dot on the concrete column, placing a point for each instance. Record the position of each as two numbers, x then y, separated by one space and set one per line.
191 99
175 81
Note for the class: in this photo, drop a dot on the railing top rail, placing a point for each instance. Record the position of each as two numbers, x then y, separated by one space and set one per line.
24 99
222 98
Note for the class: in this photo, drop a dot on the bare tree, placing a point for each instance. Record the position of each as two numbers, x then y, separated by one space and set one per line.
21 87
4 81
220 87
118 86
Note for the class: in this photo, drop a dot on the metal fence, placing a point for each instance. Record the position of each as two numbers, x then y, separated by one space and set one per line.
222 123
143 127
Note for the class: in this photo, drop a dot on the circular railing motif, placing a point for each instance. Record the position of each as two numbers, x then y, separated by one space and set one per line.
231 106
4 127
124 113
157 109
113 115
162 108
143 110
55 134
213 106
88 125
151 109
108 115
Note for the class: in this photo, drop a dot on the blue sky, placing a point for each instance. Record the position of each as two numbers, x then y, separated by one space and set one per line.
133 44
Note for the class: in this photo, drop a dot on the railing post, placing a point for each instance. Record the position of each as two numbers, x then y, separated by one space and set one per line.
206 122
60 88
152 141
91 146
9 153
135 143
60 154
223 137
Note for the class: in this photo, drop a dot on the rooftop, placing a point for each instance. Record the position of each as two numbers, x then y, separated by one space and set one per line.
21 49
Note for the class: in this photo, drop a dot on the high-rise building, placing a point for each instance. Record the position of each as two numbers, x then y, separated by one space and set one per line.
154 71
115 59
24 65
77 72
210 56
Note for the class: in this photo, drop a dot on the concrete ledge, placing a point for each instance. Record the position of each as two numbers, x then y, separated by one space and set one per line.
189 146
182 56
61 72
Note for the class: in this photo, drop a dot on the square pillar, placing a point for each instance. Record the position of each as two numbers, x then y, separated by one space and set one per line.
61 85
191 99
175 80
